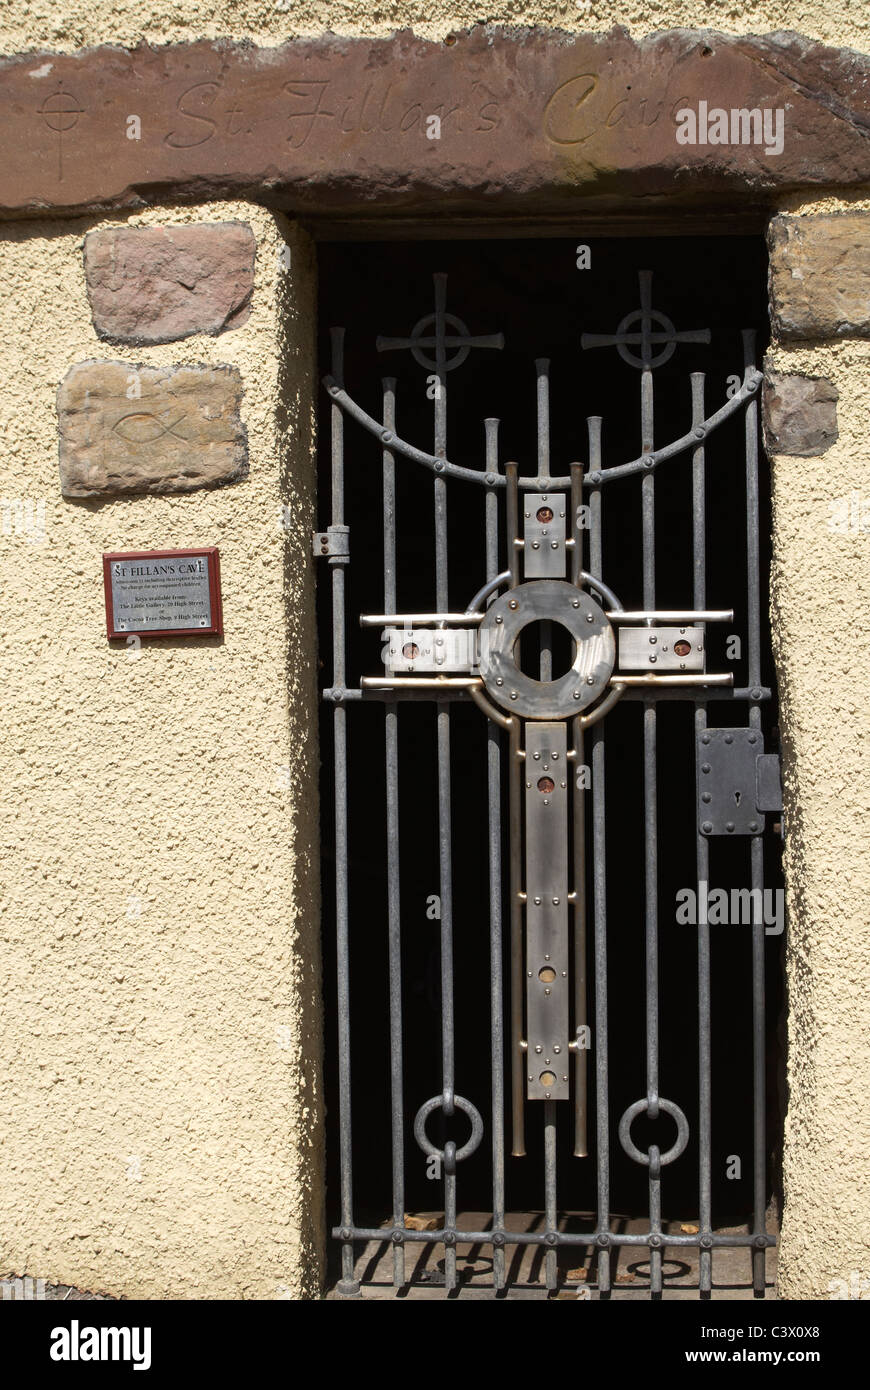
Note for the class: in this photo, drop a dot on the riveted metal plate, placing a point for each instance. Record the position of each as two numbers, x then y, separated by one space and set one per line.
595 650
661 648
726 771
547 985
424 649
544 535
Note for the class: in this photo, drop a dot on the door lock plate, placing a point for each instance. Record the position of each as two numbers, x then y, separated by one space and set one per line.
726 780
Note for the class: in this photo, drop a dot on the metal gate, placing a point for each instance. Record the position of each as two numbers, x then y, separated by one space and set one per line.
544 737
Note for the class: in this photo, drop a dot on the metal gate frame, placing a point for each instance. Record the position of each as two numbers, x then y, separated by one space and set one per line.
439 343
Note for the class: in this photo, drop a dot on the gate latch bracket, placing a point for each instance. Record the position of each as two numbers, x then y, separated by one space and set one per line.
333 543
736 782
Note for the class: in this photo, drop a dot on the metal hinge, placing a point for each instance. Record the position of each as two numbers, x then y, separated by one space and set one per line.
737 782
334 544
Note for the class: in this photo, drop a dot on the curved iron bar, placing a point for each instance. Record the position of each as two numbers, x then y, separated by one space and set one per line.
529 483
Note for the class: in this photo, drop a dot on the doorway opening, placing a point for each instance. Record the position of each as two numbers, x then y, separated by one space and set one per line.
538 297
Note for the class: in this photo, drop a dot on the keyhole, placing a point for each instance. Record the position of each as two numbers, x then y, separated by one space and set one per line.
410 651
737 797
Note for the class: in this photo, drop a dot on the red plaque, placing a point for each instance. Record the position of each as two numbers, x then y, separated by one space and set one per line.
163 593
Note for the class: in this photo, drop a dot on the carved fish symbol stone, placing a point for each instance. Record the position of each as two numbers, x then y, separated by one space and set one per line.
143 427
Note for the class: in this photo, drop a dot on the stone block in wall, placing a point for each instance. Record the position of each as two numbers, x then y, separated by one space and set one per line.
158 284
799 414
127 428
820 275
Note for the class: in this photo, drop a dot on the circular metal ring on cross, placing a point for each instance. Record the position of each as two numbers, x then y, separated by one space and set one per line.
425 1142
556 601
645 338
461 352
638 1108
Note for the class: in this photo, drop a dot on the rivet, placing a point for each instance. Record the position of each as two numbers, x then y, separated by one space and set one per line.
547 991
590 680
653 640
555 904
576 694
705 738
537 902
536 755
729 825
557 1049
707 827
538 1047
499 619
536 545
554 545
653 657
753 825
554 756
729 738
513 603
705 767
546 801
751 738
513 694
590 617
499 680
705 796
575 603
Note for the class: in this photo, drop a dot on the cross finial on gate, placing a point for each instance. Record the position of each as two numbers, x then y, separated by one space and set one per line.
440 339
668 337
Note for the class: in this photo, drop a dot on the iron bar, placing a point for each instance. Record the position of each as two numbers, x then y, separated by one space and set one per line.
743 693
753 633
394 908
443 733
599 898
496 989
702 856
581 1148
650 793
736 1241
348 1285
518 1146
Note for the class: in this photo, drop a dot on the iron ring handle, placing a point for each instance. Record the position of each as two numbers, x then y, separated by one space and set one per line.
425 1142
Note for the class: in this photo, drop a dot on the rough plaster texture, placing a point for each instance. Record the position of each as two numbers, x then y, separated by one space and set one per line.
32 24
820 603
159 986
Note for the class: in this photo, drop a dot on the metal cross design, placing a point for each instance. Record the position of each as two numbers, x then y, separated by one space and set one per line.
440 340
668 338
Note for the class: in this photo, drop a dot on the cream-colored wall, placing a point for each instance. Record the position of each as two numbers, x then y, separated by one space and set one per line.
159 987
34 24
821 631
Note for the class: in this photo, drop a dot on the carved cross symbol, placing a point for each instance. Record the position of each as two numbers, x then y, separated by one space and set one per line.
440 340
647 338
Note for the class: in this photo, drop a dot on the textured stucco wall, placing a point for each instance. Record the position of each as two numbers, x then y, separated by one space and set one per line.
159 986
821 631
32 24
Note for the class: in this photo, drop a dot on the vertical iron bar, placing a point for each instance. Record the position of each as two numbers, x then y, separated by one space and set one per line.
493 755
702 853
599 878
579 856
443 727
348 1285
753 582
650 794
542 369
518 1145
551 1260
394 933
